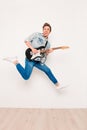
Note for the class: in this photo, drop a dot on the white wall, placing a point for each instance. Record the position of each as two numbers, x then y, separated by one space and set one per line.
20 18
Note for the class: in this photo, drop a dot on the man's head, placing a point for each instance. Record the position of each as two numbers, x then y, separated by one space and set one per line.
46 29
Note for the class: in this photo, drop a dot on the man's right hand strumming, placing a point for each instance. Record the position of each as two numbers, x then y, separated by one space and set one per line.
34 50
30 46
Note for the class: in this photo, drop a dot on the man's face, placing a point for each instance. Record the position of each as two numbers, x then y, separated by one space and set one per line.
46 31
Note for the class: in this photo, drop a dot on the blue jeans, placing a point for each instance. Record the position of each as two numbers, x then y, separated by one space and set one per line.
26 72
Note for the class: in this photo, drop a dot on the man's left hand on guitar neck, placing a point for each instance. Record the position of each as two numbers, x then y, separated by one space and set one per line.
49 50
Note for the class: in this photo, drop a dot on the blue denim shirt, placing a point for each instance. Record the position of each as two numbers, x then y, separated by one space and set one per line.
37 40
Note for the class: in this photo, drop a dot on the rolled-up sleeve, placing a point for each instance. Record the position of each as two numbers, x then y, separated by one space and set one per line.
30 38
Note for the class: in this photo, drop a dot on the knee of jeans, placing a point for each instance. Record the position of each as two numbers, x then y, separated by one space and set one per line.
26 77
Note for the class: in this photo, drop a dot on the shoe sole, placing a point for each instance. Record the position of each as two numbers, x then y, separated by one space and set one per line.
63 87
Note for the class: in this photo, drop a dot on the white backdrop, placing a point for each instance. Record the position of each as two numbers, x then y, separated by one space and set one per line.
68 18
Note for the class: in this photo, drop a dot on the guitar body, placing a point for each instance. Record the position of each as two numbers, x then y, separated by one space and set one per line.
35 57
28 53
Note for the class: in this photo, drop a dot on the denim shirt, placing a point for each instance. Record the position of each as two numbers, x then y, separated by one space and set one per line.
38 40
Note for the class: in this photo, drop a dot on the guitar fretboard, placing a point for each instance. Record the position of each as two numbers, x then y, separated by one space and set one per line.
55 48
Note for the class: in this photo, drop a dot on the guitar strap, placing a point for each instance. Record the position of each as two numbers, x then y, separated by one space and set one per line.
46 44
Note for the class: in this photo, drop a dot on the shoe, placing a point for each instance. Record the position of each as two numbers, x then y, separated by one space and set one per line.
61 86
10 59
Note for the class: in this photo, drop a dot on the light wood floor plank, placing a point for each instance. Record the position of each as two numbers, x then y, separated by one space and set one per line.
43 119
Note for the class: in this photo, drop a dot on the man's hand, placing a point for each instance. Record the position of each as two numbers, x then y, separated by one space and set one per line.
34 50
49 51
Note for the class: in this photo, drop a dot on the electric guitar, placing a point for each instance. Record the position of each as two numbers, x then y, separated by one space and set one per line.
42 53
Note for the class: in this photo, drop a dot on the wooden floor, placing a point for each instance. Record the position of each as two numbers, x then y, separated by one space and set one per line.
43 119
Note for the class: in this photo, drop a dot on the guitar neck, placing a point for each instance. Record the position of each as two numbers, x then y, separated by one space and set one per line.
55 48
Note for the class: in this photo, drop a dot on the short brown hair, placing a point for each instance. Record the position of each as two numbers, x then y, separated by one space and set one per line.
47 24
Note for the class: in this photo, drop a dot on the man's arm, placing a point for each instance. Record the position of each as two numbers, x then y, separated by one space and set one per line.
28 44
49 50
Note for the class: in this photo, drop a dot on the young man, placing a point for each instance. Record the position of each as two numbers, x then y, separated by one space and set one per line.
34 41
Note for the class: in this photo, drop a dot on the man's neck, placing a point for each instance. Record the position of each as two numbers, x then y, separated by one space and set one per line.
45 36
